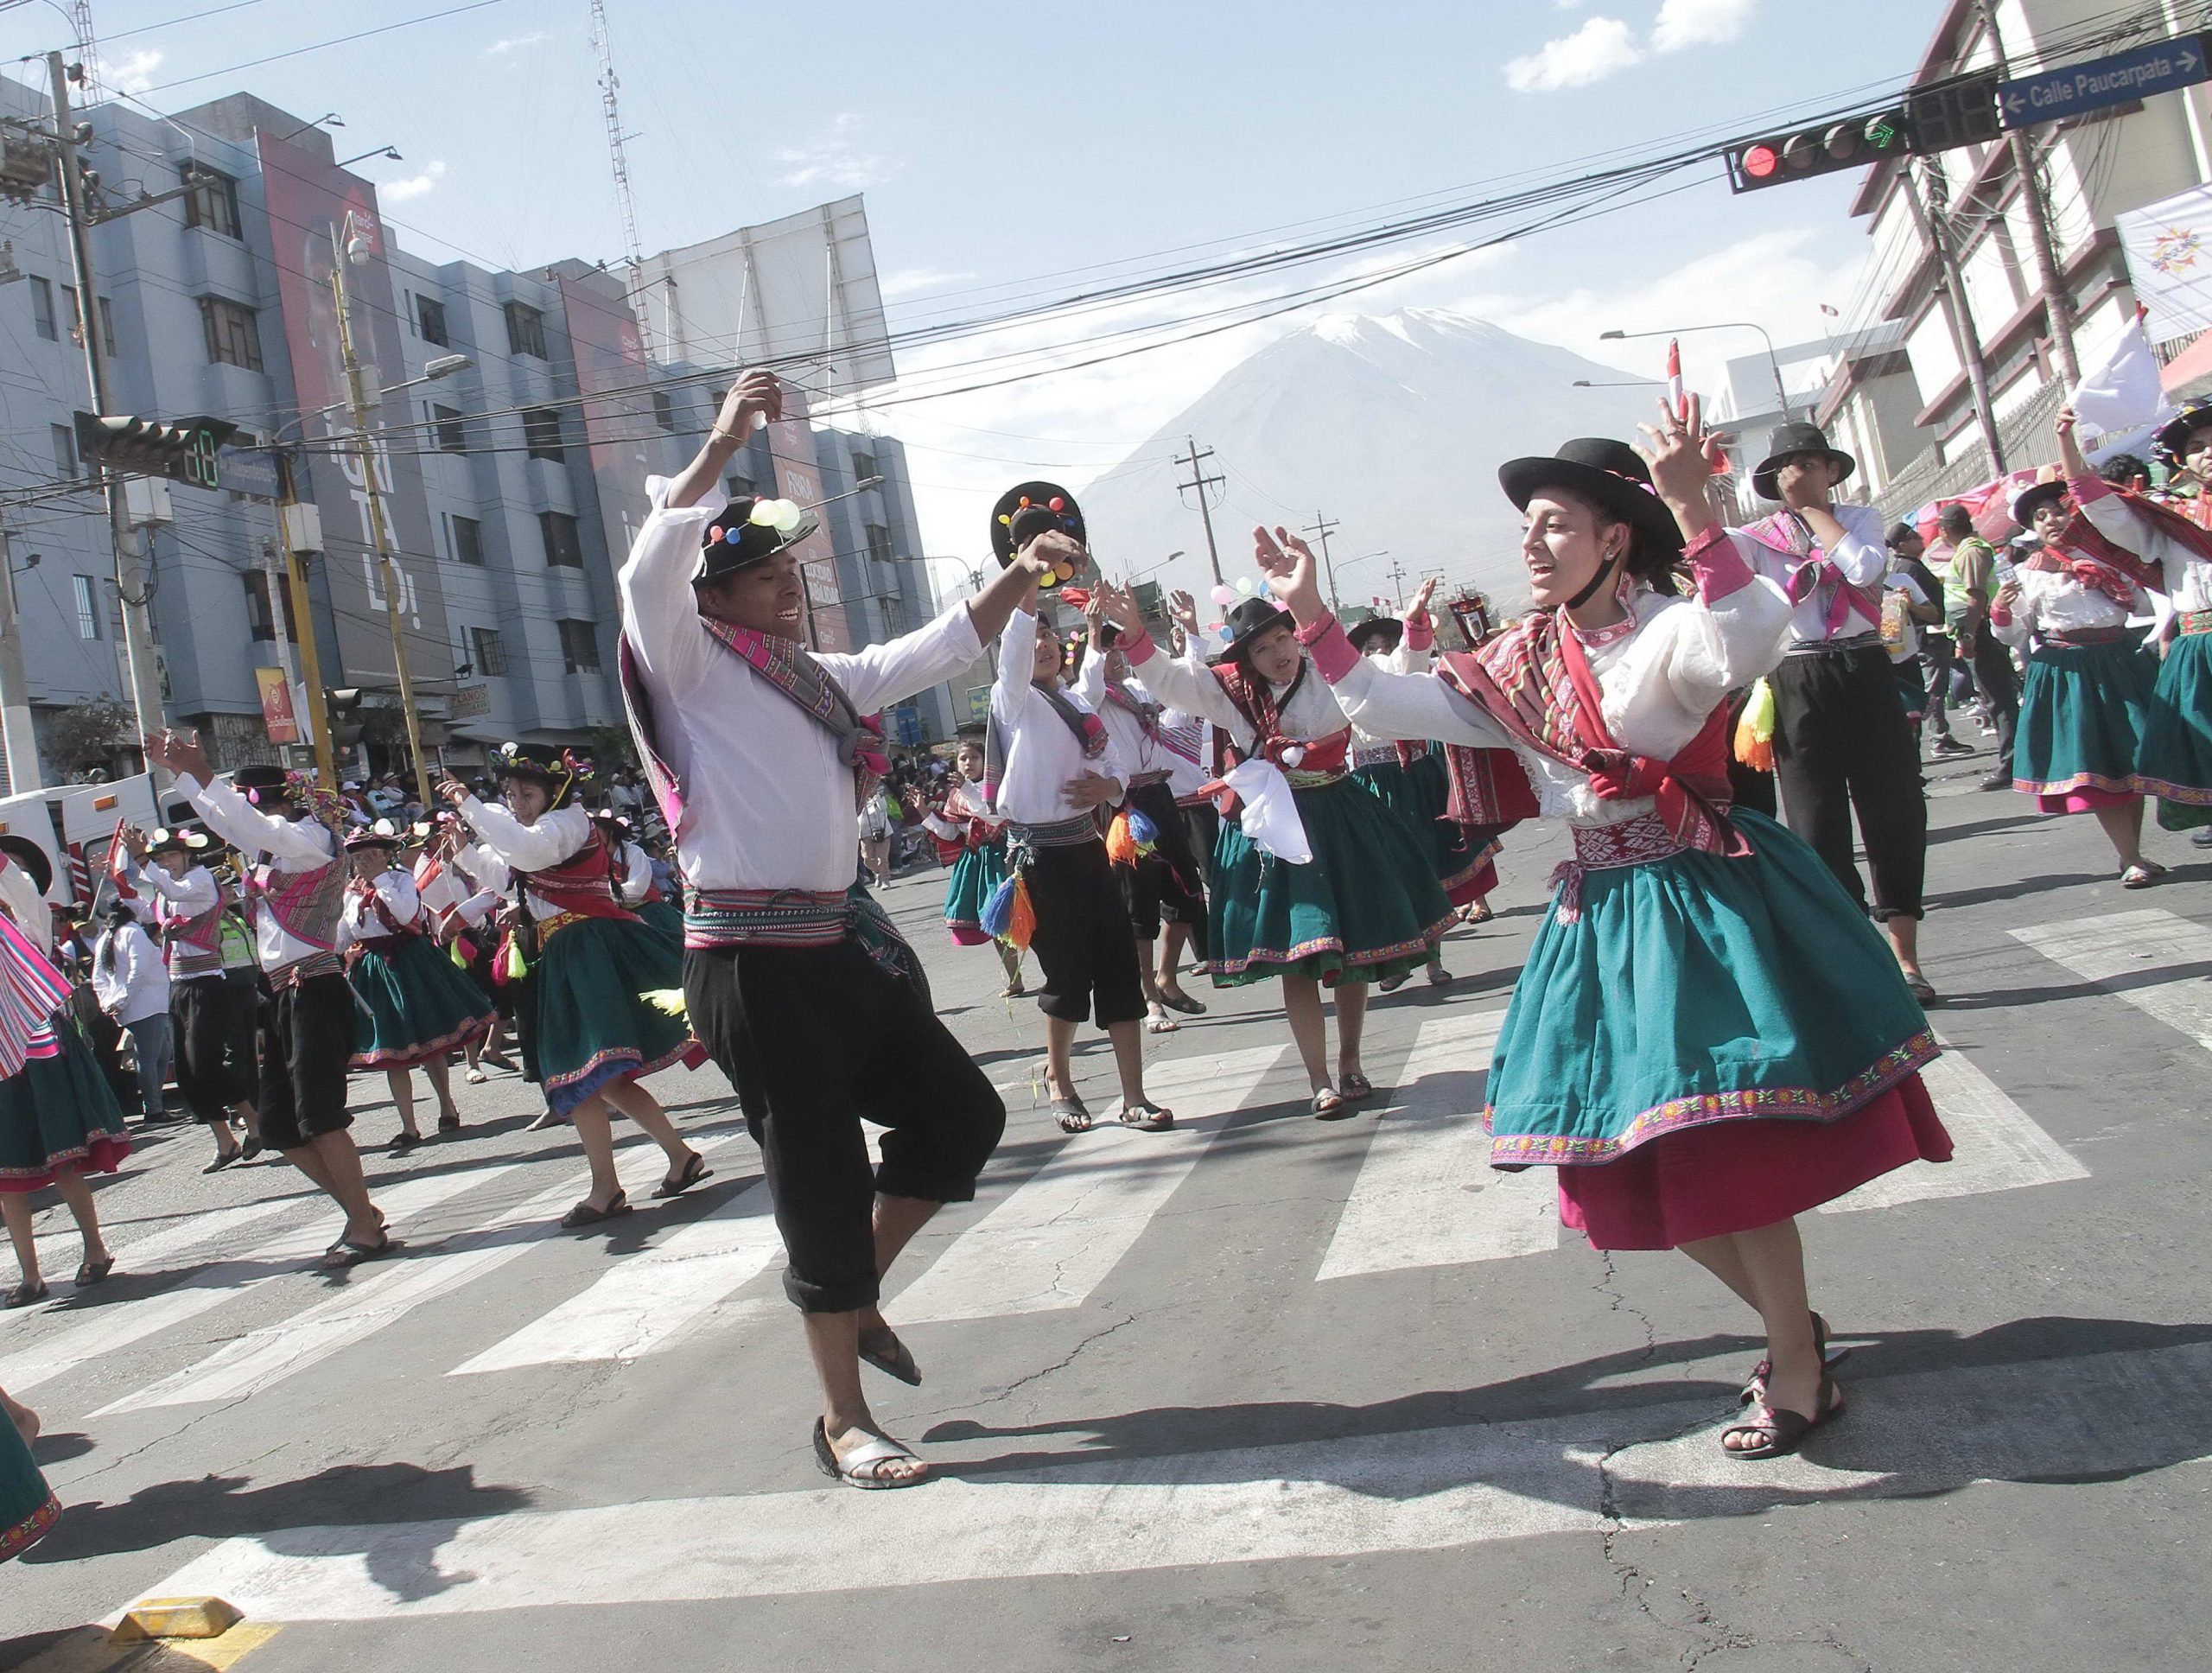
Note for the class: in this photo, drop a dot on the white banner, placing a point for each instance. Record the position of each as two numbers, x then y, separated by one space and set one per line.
2169 249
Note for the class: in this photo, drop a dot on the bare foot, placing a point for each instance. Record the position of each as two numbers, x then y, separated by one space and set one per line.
24 1419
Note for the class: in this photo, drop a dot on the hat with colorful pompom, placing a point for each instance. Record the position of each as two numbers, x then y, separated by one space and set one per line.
1031 509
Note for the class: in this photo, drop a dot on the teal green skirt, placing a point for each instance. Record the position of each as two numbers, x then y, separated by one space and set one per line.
416 1004
975 875
1419 794
664 915
1696 989
29 1509
1366 908
2175 763
58 1114
2082 712
594 1025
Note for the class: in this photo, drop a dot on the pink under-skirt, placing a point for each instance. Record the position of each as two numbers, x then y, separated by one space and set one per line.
1737 1175
2084 798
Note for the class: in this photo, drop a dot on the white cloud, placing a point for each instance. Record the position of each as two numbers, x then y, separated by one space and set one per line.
1700 23
1598 49
513 43
134 75
835 159
906 281
415 185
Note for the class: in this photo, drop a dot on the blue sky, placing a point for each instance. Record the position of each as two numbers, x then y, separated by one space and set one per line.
996 143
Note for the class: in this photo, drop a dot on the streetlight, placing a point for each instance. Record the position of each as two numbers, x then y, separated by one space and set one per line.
1140 575
380 151
328 119
1773 361
1633 383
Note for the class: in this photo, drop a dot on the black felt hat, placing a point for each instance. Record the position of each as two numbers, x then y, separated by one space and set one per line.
383 834
179 839
32 859
2033 497
1028 510
734 541
256 781
1247 620
1613 473
2173 437
1786 442
1388 630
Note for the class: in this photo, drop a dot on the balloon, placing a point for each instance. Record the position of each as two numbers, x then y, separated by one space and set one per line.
1064 570
788 516
1055 504
764 513
1227 634
1223 596
1244 585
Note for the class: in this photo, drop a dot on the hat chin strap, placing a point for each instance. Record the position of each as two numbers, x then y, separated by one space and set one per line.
1596 581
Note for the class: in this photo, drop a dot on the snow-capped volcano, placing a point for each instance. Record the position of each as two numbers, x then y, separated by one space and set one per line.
1392 426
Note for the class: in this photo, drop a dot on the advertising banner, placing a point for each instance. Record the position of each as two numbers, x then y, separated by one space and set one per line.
276 711
2169 247
799 477
309 200
612 372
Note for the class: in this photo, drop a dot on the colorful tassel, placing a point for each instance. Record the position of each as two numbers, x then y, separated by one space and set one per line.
513 965
998 910
1121 842
1142 831
1754 741
670 1000
1021 921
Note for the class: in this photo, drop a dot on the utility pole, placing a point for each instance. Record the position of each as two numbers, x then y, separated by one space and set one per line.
1321 528
17 731
129 568
358 397
296 581
1397 574
2058 306
1930 220
1196 460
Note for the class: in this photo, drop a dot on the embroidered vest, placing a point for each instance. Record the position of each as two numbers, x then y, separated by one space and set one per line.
192 945
307 905
582 885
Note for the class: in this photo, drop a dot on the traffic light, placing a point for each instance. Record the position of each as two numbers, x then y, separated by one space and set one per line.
185 451
1960 112
1851 144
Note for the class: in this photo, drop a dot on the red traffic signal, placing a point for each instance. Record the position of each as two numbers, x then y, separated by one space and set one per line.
1851 144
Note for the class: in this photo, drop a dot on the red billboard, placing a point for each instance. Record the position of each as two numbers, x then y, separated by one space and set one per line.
799 477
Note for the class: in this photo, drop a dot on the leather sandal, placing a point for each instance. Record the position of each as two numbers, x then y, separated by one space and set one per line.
1071 1115
1328 1106
1354 1086
864 1465
1183 1003
694 1170
1784 1430
1146 1117
881 1348
23 1295
1755 1386
93 1272
584 1214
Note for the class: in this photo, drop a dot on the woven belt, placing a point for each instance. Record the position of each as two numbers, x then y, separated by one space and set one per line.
766 918
1634 842
1059 833
2196 621
306 970
1144 780
1322 780
2085 636
547 928
1833 648
1375 756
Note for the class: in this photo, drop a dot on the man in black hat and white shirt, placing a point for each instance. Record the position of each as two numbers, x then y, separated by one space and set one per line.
758 752
1841 741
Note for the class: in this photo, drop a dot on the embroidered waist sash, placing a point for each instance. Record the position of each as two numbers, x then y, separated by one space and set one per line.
2196 621
2077 637
718 918
1058 833
193 946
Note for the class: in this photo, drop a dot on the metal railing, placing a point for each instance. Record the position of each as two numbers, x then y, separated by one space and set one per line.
2025 437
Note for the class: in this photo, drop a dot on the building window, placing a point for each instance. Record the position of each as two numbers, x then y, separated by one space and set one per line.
212 202
260 620
467 540
88 606
232 337
486 652
42 310
541 433
525 330
430 321
663 409
65 451
863 467
878 543
579 645
453 437
564 550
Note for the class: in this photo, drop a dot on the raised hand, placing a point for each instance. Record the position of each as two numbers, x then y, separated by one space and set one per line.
451 790
134 842
1419 605
1051 548
1117 603
758 397
1183 610
1289 566
1680 464
180 752
2070 442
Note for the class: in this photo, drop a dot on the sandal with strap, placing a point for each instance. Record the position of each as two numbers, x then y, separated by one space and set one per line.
1755 1386
93 1272
2141 876
694 1170
1071 1115
1146 1117
881 1348
23 1295
1354 1086
584 1214
1328 1106
1183 1003
1160 1024
1390 984
864 1465
1785 1430
1441 978
347 1253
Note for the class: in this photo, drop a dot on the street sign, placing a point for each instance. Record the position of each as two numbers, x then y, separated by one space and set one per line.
2076 89
249 471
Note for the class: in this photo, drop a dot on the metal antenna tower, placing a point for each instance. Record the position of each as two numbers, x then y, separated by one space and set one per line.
632 250
80 14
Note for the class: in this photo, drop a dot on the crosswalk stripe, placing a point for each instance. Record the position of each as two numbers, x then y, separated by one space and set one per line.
1054 1240
110 1328
1998 1146
2119 950
380 1296
1626 1468
1427 1195
650 1297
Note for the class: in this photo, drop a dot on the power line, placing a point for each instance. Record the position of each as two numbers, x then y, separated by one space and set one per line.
321 46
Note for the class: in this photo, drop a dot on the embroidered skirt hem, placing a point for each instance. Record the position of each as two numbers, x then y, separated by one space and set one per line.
2083 714
416 1005
2175 762
973 875
58 1114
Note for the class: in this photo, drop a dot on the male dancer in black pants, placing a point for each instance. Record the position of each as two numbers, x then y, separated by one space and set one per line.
759 752
1841 741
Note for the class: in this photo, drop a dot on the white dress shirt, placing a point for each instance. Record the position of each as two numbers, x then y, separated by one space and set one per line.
362 922
2187 574
1312 712
133 985
1141 749
1659 684
2053 601
539 846
484 878
286 844
637 874
26 906
185 897
767 803
1042 755
1862 557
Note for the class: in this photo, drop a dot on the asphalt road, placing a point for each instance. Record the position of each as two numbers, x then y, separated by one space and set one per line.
1261 1392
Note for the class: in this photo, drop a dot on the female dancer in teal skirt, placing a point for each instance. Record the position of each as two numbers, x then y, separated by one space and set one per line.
29 1509
417 1007
1708 1037
592 963
1367 907
971 841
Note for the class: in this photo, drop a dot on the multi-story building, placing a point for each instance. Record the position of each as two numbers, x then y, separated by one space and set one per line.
518 419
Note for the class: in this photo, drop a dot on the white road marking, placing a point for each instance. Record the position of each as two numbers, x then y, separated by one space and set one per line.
1427 1195
648 1299
1933 1431
118 1326
2128 945
379 1296
1053 1241
1997 1145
